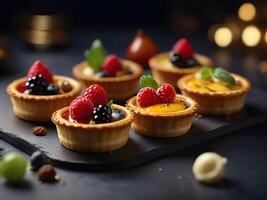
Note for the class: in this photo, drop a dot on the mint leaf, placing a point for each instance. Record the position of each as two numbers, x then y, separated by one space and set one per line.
205 73
109 104
148 81
95 55
223 75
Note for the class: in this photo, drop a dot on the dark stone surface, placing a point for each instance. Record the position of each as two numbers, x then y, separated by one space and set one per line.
245 149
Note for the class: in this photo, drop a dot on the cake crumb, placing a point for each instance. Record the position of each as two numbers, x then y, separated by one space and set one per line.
39 131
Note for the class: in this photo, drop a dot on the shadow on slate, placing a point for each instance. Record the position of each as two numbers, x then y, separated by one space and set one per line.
138 150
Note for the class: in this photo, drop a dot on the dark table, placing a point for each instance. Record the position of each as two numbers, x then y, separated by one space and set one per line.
169 177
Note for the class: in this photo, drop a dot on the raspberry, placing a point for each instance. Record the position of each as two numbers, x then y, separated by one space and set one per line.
147 97
39 68
81 109
166 93
111 64
184 48
96 94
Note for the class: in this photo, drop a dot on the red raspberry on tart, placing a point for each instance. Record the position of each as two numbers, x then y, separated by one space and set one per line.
38 67
111 65
166 93
96 94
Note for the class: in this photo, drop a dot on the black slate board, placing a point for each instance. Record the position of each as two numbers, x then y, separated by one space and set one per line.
138 150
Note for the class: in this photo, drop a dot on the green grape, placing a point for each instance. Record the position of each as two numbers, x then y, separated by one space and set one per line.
13 167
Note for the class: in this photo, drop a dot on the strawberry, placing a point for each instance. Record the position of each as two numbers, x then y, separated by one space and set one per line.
147 96
81 109
184 48
166 93
96 94
111 64
39 68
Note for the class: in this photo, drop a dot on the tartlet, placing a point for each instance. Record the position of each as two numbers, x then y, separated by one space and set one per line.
40 107
164 72
162 124
221 99
118 88
92 137
168 67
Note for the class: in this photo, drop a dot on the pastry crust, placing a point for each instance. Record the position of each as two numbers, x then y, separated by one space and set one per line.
162 124
93 137
118 88
217 103
39 108
166 74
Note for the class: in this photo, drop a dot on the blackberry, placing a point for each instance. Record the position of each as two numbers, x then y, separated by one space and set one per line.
37 85
52 89
102 114
178 61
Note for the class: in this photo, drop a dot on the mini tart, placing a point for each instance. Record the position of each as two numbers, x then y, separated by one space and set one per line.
217 103
164 71
162 124
117 88
39 108
92 137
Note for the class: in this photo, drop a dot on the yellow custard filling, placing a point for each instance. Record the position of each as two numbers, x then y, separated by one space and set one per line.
208 85
166 107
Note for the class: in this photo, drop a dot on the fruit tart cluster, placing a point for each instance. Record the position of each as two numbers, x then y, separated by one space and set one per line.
117 76
38 95
181 60
159 111
216 90
91 123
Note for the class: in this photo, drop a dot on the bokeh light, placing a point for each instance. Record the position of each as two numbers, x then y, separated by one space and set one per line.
247 12
251 36
223 37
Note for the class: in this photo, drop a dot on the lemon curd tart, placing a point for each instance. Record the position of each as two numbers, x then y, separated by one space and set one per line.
168 67
163 120
218 92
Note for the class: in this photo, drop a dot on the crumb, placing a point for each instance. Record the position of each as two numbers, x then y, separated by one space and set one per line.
179 177
39 131
160 169
47 173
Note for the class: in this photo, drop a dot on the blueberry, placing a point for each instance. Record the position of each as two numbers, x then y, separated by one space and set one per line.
177 60
102 74
52 89
117 115
38 159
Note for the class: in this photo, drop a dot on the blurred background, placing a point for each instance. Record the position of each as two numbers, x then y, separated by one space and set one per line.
223 29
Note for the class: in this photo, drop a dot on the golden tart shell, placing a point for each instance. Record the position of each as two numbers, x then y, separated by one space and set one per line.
217 103
117 88
162 124
93 137
169 74
39 108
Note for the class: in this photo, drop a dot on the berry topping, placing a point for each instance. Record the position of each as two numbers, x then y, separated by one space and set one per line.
166 93
81 109
37 85
96 94
117 115
184 48
102 114
147 96
22 87
52 89
39 68
111 64
176 59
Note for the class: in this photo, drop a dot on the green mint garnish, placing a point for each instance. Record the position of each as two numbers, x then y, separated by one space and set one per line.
205 73
109 104
95 55
148 81
223 75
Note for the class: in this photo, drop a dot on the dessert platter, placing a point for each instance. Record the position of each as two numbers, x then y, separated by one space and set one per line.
86 130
